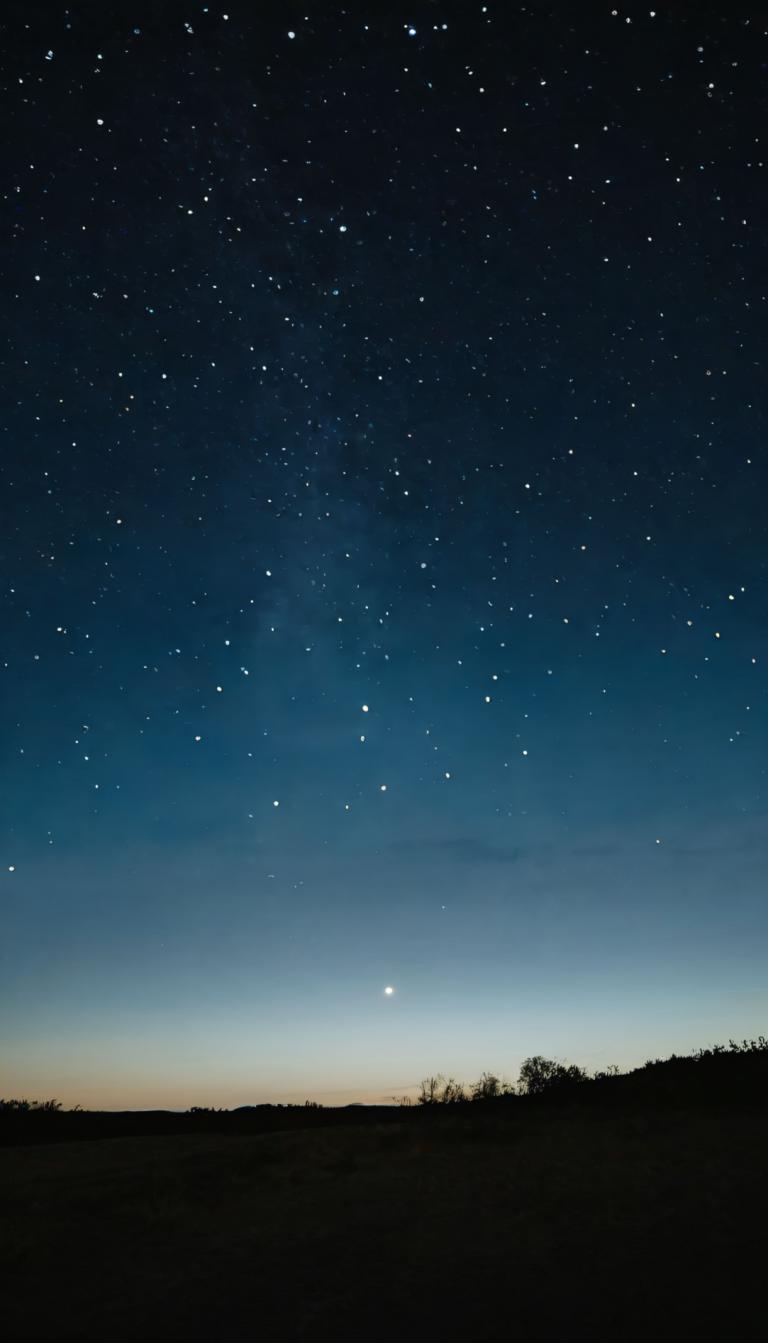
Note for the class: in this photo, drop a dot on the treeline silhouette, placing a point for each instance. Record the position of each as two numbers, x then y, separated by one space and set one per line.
538 1077
735 1073
732 1076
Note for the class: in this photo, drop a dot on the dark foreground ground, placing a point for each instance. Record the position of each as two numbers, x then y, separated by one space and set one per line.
546 1224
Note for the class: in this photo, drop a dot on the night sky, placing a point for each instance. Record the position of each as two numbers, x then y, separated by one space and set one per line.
384 540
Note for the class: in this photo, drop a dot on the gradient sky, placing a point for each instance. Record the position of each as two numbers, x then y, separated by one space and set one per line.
401 358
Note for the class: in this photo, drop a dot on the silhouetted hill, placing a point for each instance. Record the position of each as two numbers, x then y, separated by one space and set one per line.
727 1077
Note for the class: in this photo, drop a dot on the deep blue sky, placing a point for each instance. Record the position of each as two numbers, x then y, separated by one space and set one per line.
401 358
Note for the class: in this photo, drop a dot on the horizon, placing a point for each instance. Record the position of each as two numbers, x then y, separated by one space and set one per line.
384 584
408 1093
393 1096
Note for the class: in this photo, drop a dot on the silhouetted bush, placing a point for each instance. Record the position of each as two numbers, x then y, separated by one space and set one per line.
30 1107
488 1087
441 1091
453 1092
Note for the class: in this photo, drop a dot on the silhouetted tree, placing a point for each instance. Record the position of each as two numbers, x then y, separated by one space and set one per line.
539 1075
431 1090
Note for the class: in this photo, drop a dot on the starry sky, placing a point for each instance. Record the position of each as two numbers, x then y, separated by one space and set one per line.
383 474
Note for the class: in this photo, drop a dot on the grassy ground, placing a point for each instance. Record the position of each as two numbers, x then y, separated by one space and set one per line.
594 1225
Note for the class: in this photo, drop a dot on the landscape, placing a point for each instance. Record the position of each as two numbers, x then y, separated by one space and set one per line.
622 1206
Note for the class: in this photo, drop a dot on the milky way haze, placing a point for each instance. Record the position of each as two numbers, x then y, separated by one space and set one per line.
384 555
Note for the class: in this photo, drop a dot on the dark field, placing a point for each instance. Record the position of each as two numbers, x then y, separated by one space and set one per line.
533 1224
